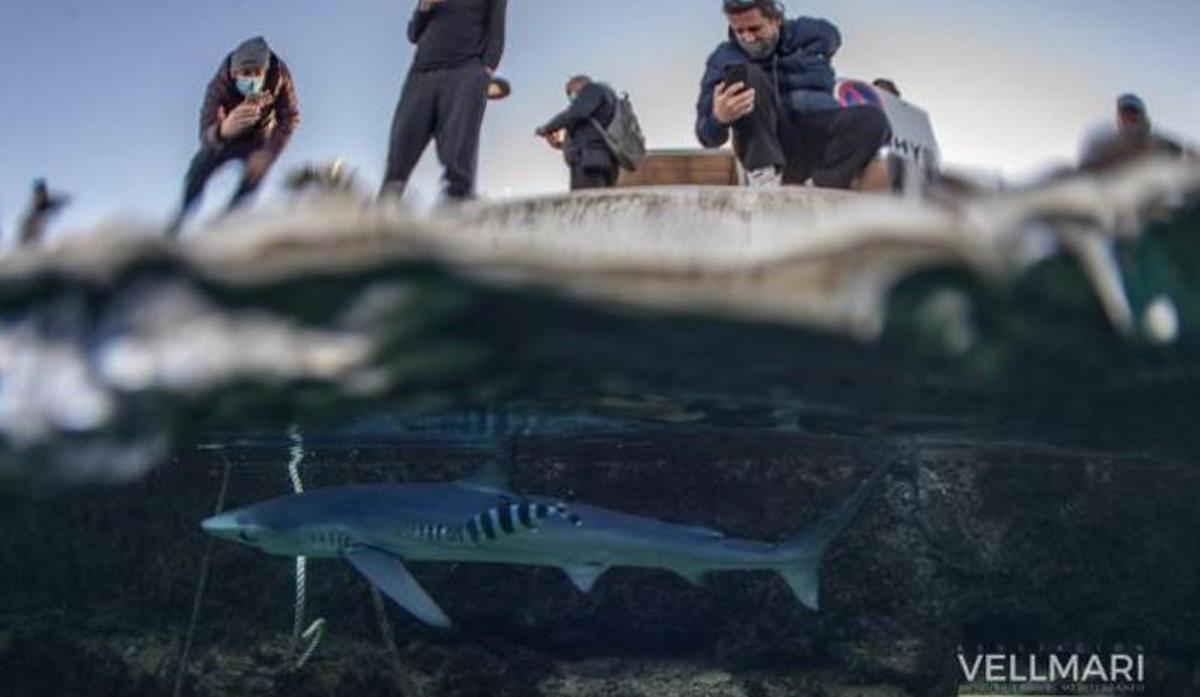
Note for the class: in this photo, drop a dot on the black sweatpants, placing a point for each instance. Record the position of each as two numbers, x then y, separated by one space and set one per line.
446 106
206 163
830 147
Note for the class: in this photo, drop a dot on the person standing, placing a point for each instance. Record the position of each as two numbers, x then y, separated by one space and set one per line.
585 148
771 84
43 205
1129 136
459 46
249 115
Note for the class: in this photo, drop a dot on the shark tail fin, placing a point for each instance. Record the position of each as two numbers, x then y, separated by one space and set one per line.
803 554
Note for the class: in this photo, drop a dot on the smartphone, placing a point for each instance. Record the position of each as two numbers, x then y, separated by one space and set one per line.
737 73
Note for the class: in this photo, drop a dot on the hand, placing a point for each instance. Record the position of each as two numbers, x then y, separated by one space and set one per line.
244 117
732 103
553 138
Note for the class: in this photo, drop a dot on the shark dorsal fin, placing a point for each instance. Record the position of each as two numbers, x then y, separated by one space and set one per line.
694 577
584 577
493 475
389 574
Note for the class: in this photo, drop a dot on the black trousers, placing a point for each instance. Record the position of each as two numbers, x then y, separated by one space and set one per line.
446 106
592 178
206 163
830 147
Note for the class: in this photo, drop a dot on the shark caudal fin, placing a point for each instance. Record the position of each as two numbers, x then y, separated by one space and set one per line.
804 552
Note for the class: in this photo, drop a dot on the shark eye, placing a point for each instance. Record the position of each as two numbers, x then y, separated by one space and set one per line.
245 537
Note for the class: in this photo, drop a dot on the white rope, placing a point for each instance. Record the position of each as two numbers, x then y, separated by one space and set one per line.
316 631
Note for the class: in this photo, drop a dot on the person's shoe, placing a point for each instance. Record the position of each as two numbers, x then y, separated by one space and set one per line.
764 178
392 192
175 227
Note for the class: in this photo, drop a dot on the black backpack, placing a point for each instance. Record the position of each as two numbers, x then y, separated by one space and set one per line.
624 135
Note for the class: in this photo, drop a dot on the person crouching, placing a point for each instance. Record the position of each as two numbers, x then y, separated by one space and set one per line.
771 84
250 113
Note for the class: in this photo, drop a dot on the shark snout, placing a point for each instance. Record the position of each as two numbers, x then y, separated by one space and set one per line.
230 526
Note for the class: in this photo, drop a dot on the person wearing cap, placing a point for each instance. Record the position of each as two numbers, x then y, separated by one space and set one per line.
250 113
459 46
887 85
787 126
585 148
1130 137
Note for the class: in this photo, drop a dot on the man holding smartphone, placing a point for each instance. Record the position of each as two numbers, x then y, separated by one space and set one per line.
772 84
250 113
459 46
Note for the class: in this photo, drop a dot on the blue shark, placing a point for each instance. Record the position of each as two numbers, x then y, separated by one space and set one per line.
379 529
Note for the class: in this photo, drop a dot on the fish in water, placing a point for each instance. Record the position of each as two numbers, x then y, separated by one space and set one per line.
378 529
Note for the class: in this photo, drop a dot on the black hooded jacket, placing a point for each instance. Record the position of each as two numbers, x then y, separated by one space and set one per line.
585 142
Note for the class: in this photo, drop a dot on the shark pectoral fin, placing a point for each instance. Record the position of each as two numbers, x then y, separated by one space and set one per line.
584 577
394 579
696 578
805 583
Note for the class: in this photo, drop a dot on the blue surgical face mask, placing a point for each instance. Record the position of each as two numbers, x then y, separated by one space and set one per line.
250 86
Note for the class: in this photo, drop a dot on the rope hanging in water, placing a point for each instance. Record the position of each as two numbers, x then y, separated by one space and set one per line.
185 656
316 631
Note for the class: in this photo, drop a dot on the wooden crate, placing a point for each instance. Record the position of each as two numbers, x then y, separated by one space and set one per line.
685 168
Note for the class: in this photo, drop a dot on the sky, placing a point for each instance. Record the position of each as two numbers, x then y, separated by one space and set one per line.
102 97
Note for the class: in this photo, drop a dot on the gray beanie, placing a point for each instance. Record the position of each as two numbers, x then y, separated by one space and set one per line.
253 54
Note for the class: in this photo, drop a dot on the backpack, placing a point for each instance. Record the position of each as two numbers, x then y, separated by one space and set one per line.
624 135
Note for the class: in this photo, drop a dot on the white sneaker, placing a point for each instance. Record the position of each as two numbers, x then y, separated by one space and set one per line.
764 178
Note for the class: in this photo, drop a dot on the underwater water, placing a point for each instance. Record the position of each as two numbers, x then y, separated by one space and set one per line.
1039 496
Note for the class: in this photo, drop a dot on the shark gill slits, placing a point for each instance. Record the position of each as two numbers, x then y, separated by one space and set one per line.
473 530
